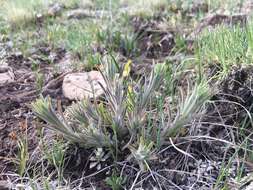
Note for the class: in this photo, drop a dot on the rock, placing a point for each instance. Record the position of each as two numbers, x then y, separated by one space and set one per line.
65 64
21 187
55 9
77 86
39 18
247 7
18 54
6 74
5 185
9 44
246 182
250 186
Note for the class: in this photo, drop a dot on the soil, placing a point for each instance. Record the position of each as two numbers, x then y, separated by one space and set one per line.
16 97
233 97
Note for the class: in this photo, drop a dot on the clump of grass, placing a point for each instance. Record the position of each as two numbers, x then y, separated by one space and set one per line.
128 45
144 8
39 80
226 46
120 122
77 3
55 154
115 181
110 5
80 38
74 36
23 155
20 12
124 40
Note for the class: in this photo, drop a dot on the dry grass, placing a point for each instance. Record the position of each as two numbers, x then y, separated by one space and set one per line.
142 7
20 12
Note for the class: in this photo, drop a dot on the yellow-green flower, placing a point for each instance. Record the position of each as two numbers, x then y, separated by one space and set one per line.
127 68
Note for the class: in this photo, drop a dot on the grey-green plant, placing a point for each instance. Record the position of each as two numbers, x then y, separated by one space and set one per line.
55 154
118 122
128 45
39 80
115 181
23 155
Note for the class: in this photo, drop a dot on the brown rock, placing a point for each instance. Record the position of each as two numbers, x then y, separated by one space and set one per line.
77 86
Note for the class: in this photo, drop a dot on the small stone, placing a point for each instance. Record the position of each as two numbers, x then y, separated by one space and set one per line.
77 86
18 54
55 9
9 44
65 64
20 187
62 188
250 186
247 7
39 18
204 165
4 185
209 168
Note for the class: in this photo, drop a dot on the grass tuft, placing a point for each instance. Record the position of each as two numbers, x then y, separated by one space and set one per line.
20 12
226 46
